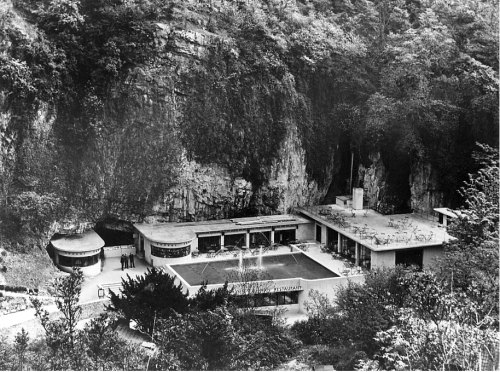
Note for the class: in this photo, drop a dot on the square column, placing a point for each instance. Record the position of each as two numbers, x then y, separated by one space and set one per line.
356 254
272 236
339 245
247 239
222 240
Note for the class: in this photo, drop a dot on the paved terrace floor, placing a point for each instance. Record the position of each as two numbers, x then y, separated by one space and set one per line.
111 273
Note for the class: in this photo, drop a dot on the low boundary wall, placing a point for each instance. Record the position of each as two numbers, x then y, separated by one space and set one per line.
118 250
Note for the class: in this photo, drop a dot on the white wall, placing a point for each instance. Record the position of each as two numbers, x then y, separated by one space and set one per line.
162 261
430 254
383 259
194 244
92 270
118 250
147 250
306 231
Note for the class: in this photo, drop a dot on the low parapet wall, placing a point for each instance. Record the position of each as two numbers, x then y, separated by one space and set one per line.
118 250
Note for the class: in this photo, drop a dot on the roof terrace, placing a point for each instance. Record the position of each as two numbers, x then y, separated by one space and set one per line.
176 232
376 231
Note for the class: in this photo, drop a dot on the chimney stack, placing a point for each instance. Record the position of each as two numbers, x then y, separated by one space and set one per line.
357 198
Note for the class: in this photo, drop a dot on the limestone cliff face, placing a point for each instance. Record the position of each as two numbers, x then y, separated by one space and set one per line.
425 192
135 167
423 184
208 192
374 180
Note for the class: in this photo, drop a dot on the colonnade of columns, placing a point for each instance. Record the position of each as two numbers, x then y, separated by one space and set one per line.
247 238
357 248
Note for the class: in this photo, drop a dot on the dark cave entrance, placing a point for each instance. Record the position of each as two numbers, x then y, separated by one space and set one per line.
115 232
342 172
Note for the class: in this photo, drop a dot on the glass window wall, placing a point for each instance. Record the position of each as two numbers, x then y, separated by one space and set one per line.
78 261
170 252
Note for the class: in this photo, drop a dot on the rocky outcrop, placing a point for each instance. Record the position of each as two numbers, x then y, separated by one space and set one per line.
289 185
374 180
208 192
425 191
203 192
424 186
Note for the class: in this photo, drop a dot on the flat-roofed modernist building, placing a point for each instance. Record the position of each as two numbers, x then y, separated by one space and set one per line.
373 240
169 243
352 237
78 250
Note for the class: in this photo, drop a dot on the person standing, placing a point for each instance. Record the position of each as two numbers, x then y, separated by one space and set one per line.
131 258
122 261
125 260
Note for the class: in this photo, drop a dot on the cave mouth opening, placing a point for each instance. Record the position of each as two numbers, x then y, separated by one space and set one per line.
115 231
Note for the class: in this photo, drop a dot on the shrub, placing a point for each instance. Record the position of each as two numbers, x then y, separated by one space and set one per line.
13 288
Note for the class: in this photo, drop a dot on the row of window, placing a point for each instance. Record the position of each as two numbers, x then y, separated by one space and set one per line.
170 252
78 261
269 299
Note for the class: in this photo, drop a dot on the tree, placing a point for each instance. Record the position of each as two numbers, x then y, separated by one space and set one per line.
221 339
211 299
148 298
471 259
21 342
249 285
202 341
61 334
6 362
438 330
106 350
370 307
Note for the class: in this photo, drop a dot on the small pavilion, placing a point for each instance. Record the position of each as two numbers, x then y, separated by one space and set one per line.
78 250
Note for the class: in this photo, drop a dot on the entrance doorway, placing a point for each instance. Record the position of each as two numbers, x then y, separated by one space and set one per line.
318 233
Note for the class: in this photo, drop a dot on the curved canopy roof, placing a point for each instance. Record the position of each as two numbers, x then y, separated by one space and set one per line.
172 232
87 241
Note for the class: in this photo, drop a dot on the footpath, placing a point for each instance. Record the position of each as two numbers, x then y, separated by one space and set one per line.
91 304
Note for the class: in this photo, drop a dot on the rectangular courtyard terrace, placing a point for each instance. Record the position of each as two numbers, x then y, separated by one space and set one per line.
283 266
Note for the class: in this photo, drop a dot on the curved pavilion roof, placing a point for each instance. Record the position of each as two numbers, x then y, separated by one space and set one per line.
176 232
87 241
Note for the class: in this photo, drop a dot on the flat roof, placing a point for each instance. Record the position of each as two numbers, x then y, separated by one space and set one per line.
173 232
392 232
274 267
344 197
446 211
84 242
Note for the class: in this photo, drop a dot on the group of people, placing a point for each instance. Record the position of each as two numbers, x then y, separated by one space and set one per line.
126 259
